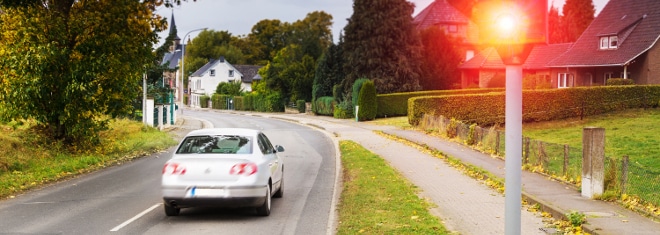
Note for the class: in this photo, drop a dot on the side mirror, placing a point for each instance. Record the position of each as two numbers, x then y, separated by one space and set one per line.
279 148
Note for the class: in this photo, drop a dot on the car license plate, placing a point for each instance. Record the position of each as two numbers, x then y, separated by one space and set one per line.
206 192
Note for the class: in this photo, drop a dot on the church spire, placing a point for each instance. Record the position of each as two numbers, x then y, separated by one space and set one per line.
173 32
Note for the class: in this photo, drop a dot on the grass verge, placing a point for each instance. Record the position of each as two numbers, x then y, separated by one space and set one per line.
28 160
378 200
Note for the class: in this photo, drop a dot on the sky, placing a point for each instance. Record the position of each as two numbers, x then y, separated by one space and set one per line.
238 16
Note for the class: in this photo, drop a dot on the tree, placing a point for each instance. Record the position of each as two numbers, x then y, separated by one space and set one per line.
367 101
329 72
71 65
229 88
210 44
556 33
440 60
268 37
381 43
577 16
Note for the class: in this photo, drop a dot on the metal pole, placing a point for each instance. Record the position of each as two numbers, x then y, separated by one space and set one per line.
183 64
513 148
144 99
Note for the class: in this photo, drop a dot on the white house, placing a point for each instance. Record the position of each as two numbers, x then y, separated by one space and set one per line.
206 79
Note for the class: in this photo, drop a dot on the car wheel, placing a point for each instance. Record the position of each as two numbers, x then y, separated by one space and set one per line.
280 191
264 210
171 211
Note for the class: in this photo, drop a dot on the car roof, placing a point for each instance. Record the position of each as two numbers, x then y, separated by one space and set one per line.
224 131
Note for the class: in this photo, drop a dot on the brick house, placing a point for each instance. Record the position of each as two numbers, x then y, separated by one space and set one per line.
622 42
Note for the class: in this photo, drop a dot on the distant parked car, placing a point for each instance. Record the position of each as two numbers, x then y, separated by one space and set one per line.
225 167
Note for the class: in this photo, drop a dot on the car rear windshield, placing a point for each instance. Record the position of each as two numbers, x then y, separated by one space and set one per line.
216 144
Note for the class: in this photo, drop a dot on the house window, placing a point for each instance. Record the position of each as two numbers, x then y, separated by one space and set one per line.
609 42
564 80
212 73
231 73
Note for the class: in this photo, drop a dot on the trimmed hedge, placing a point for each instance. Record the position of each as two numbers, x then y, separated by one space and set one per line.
396 104
619 82
367 101
238 103
219 101
324 106
539 105
300 105
204 101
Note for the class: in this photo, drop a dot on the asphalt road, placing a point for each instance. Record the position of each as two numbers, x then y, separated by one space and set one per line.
126 199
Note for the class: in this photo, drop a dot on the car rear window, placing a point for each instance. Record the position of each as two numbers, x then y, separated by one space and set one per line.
216 144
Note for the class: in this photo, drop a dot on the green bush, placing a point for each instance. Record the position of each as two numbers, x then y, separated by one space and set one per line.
300 105
204 101
357 85
367 101
619 82
324 106
248 102
219 101
538 105
238 103
396 104
343 110
185 99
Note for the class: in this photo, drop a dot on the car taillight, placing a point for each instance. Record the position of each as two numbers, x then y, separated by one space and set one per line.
243 169
174 169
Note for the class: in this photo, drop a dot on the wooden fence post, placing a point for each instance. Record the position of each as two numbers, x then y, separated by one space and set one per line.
624 173
566 158
497 142
526 158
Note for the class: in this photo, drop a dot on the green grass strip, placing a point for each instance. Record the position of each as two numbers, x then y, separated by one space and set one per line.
378 200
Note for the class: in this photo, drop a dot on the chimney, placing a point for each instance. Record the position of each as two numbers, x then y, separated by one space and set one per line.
222 59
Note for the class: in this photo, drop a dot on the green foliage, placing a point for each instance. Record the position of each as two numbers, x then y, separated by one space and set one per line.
263 102
381 43
619 82
532 82
472 135
440 59
577 15
343 110
355 94
301 106
396 104
324 106
576 218
204 101
219 101
452 130
379 200
230 88
328 72
538 105
239 103
497 81
73 76
367 101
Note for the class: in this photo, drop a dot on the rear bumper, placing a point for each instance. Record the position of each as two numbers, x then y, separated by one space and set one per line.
251 196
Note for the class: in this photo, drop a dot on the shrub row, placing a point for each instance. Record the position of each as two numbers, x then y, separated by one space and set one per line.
396 104
204 101
219 101
324 105
539 105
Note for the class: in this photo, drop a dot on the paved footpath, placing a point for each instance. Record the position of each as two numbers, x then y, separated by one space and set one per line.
465 205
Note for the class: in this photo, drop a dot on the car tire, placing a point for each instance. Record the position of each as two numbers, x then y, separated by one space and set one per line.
171 211
264 210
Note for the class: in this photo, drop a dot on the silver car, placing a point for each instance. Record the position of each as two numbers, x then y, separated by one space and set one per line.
225 167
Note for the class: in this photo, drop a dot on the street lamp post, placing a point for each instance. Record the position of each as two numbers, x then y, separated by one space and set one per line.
183 61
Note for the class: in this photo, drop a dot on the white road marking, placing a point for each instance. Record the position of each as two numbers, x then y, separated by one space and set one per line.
115 229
